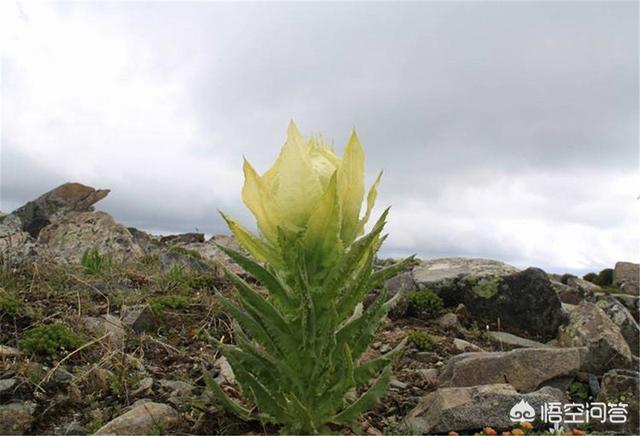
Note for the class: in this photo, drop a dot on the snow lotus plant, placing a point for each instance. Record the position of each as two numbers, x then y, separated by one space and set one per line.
297 352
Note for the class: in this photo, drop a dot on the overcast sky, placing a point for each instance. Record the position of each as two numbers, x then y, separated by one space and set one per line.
505 130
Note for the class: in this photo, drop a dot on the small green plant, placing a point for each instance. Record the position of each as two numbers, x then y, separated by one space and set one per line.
95 263
49 339
425 304
578 391
202 281
159 304
9 304
150 260
421 340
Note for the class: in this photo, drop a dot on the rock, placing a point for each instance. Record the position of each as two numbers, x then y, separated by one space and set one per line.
450 276
385 348
631 302
463 314
183 238
521 302
177 387
590 327
464 346
16 418
106 324
573 294
395 383
7 385
428 375
144 419
144 387
183 258
449 322
626 276
426 357
510 342
11 234
140 318
9 351
73 428
225 374
68 239
584 286
51 206
621 386
403 282
468 409
525 369
623 319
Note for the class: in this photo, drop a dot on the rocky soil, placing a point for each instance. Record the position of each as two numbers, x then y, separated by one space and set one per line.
106 329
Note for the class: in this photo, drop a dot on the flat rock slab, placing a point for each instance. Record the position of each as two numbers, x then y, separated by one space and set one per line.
510 342
469 409
525 369
146 418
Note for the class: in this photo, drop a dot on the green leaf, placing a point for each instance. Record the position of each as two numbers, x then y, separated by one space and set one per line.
226 402
276 288
370 369
366 401
258 248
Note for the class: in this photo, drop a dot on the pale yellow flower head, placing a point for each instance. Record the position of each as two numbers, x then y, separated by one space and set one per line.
306 184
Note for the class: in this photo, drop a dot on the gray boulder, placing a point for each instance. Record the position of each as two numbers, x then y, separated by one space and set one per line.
525 369
626 276
623 319
522 302
49 207
621 386
68 239
590 327
469 409
450 277
146 418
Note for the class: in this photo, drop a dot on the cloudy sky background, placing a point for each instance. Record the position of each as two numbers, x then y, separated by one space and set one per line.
505 130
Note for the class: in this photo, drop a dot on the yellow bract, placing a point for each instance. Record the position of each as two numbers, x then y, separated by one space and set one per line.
310 188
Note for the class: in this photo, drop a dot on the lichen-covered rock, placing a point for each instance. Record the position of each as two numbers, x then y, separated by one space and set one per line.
68 239
51 206
621 386
449 277
589 326
621 317
626 276
522 302
16 418
525 369
146 418
469 409
574 293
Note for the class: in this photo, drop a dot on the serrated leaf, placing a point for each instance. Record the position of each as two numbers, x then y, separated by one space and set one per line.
366 401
